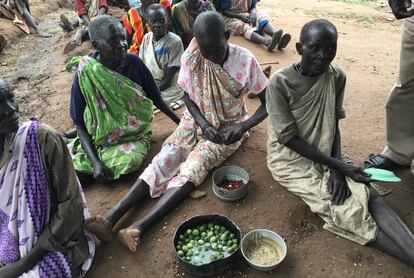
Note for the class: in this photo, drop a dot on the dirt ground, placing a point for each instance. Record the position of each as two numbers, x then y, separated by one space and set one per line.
368 51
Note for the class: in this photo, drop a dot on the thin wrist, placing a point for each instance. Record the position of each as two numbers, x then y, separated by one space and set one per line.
96 163
205 125
337 165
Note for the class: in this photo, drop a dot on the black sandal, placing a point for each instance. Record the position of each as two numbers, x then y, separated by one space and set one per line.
380 161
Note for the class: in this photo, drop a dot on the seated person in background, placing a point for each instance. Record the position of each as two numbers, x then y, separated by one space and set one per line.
87 10
243 19
18 11
42 207
215 76
161 52
304 102
184 14
135 23
111 105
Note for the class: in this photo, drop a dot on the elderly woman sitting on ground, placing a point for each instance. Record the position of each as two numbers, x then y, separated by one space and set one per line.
111 105
215 76
42 207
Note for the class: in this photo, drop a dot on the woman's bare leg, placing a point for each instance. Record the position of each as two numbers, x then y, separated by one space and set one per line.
102 226
169 201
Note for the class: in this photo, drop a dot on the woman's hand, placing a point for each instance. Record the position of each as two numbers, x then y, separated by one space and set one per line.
338 188
233 133
100 172
355 173
212 134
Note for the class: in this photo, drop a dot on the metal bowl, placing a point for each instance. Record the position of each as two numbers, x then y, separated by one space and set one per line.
215 267
251 240
232 173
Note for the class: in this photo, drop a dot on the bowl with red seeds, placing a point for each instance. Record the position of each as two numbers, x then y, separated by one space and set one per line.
230 183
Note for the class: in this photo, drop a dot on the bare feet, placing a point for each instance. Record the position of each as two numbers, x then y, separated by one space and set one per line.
130 237
99 227
275 40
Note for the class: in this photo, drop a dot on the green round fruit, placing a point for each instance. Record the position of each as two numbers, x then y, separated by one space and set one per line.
189 245
200 242
189 253
213 239
203 234
210 234
181 237
188 232
232 236
217 227
184 248
180 254
196 233
210 225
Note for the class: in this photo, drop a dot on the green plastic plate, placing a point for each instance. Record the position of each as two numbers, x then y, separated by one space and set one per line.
382 175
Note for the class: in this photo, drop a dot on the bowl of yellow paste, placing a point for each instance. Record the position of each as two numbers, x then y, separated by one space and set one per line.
263 249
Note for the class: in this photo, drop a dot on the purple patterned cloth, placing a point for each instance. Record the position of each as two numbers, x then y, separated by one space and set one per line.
25 206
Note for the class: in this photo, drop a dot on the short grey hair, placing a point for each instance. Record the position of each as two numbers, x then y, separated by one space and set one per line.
99 26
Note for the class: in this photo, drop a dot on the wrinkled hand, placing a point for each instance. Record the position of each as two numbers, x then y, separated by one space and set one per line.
212 134
253 19
355 173
338 188
399 9
233 133
245 18
100 173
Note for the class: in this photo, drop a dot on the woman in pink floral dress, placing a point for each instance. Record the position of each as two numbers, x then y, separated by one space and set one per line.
216 76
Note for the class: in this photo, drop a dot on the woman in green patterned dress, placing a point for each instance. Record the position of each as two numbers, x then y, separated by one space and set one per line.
111 105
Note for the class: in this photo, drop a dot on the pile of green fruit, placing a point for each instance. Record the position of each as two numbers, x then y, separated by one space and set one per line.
206 243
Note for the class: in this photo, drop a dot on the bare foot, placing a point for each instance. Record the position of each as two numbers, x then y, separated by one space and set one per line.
2 265
130 237
99 227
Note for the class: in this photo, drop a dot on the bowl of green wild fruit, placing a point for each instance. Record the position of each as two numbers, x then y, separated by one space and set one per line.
206 245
